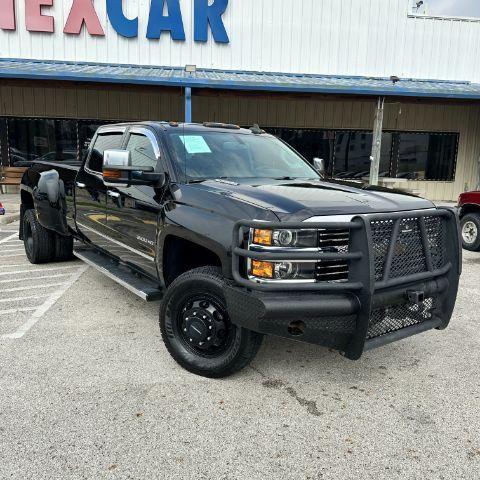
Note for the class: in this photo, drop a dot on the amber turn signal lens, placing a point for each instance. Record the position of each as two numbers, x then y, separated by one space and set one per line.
262 269
113 174
262 237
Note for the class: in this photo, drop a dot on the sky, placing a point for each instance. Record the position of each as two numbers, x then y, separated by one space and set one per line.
457 8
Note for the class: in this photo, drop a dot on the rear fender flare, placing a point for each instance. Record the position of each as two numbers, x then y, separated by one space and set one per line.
50 203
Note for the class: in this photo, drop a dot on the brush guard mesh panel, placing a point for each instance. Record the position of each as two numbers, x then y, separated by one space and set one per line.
381 235
409 255
436 240
392 318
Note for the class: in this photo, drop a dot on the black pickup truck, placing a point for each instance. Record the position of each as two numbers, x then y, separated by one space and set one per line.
238 237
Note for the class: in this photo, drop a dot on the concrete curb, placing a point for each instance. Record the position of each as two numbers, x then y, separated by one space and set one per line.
6 219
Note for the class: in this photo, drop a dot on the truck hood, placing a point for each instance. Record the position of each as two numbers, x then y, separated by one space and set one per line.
300 199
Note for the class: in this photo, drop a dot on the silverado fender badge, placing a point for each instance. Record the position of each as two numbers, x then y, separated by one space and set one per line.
144 240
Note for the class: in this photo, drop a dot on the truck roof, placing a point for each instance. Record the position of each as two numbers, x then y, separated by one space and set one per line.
195 127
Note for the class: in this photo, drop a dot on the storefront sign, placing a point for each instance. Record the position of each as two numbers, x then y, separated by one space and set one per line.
83 13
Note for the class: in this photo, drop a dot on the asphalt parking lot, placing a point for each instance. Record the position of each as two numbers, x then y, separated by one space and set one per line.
87 390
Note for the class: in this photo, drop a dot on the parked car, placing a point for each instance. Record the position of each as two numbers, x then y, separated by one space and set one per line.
64 155
239 236
469 206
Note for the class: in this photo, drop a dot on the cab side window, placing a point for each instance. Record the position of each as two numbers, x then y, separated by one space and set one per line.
141 151
104 141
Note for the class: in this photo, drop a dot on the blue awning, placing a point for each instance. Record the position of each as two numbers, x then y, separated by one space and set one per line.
234 80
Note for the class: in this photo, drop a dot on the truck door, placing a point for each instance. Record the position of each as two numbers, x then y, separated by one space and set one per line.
132 212
90 190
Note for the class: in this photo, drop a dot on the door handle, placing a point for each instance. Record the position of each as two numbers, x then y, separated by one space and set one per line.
80 185
113 194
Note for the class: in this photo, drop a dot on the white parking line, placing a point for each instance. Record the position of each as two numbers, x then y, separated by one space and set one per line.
16 272
5 240
17 310
18 299
26 264
10 250
12 256
38 314
31 287
26 279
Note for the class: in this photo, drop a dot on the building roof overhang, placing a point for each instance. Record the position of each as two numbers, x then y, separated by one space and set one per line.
235 80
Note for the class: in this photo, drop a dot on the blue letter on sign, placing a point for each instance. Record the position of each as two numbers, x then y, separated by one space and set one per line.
173 23
210 15
123 26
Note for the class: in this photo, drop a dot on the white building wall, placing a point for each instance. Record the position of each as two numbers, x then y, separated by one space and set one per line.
337 37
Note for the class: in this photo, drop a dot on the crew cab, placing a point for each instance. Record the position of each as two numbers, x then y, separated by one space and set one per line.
469 206
238 237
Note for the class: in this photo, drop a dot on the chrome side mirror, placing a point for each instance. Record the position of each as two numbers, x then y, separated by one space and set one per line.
118 171
116 159
320 166
116 167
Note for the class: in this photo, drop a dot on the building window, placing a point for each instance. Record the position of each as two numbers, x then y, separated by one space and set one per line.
41 139
308 142
50 140
427 156
4 160
414 156
467 9
352 155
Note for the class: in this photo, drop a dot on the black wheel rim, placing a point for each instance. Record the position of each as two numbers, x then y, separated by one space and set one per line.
28 237
203 325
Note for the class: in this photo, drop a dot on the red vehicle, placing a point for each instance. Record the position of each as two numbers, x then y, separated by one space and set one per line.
469 204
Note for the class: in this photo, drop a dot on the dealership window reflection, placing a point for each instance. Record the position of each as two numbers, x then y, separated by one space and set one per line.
353 151
311 143
427 156
48 140
409 155
41 139
413 156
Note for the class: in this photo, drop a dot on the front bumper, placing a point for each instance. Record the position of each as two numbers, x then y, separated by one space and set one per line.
363 313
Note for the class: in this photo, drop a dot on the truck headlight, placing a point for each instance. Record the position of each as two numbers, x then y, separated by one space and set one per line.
285 238
283 270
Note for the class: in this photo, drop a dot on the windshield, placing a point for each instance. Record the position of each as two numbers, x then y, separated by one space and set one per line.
228 155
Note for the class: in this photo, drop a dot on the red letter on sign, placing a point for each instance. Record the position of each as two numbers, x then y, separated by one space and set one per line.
82 12
34 20
7 14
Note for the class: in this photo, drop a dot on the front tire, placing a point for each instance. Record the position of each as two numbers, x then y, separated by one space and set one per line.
471 232
38 241
197 330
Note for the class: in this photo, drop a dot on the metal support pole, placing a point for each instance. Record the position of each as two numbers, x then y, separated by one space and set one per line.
377 142
188 105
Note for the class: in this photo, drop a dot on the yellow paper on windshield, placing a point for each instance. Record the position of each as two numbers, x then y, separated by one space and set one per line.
195 144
